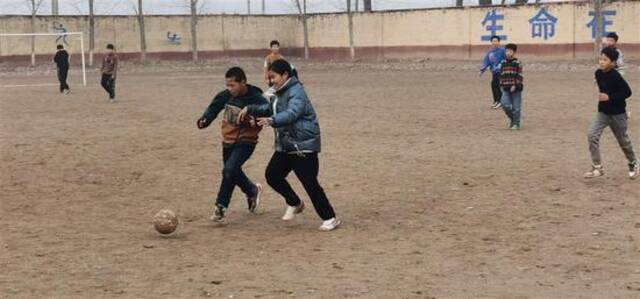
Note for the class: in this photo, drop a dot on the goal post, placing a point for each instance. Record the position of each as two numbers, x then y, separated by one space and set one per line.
58 35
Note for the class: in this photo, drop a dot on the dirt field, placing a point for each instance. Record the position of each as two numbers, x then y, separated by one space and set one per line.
438 198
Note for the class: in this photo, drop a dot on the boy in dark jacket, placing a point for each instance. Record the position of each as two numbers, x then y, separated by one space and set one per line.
239 139
614 91
109 72
511 85
62 62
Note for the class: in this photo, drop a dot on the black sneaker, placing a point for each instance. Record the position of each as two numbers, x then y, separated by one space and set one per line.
219 214
254 201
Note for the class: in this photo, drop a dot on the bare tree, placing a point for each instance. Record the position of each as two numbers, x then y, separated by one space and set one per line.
302 11
34 6
92 33
264 11
367 5
597 11
248 7
485 2
194 29
54 7
459 3
143 38
352 50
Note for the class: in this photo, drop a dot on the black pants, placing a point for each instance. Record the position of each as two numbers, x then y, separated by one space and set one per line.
495 88
232 175
306 169
109 84
62 77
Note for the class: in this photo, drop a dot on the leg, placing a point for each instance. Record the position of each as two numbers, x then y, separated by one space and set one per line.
619 128
241 155
306 169
495 88
63 80
601 122
507 105
60 80
112 93
226 185
277 171
105 83
516 102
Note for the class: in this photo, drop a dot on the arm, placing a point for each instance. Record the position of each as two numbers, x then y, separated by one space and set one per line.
623 91
294 110
485 63
115 67
263 110
212 111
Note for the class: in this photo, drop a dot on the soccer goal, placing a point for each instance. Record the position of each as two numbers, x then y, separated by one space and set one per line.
41 48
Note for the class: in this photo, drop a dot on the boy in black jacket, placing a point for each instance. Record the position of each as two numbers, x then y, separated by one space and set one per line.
511 85
239 139
62 61
614 91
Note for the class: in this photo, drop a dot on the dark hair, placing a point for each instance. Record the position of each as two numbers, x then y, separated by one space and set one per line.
60 47
495 37
280 67
613 35
611 53
513 47
110 47
237 74
274 42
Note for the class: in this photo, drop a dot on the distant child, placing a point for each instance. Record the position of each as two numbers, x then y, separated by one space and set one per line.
62 61
612 42
614 91
274 55
511 85
109 71
492 61
239 139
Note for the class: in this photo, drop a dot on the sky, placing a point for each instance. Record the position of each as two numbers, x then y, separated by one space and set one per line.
75 7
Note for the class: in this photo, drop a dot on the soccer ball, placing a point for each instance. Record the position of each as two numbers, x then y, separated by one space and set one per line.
165 222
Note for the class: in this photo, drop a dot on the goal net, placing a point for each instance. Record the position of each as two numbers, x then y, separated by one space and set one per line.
31 49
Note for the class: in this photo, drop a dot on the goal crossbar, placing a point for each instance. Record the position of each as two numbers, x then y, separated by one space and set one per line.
81 34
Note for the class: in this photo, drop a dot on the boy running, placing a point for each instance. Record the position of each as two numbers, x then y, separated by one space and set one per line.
511 85
492 61
109 71
614 91
239 139
62 61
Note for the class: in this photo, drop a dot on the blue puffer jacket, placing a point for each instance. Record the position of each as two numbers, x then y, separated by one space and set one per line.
294 119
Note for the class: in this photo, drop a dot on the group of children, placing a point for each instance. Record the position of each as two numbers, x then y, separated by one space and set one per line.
286 108
507 86
108 70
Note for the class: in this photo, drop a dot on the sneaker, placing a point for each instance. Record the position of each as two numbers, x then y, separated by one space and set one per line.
329 225
497 105
596 171
112 100
219 214
634 170
494 105
67 91
515 128
254 201
291 212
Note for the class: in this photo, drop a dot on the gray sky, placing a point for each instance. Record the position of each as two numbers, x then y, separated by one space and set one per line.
9 7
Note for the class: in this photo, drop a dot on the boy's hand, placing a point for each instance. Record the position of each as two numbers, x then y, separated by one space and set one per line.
603 97
480 73
202 123
265 121
242 115
513 88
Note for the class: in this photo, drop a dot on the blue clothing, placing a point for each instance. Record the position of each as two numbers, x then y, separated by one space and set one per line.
492 60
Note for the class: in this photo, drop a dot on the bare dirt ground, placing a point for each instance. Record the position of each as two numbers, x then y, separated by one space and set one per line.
438 198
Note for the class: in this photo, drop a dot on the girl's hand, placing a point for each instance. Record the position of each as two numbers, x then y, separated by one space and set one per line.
265 121
603 97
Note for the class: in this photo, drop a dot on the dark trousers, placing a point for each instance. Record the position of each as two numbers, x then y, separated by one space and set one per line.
62 77
306 169
109 84
232 175
495 88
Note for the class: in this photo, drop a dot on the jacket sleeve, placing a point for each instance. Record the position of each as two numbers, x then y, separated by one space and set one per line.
623 91
217 104
485 62
295 109
262 110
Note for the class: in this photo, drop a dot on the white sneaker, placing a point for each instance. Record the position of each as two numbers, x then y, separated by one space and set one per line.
596 171
634 170
329 225
112 100
291 212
